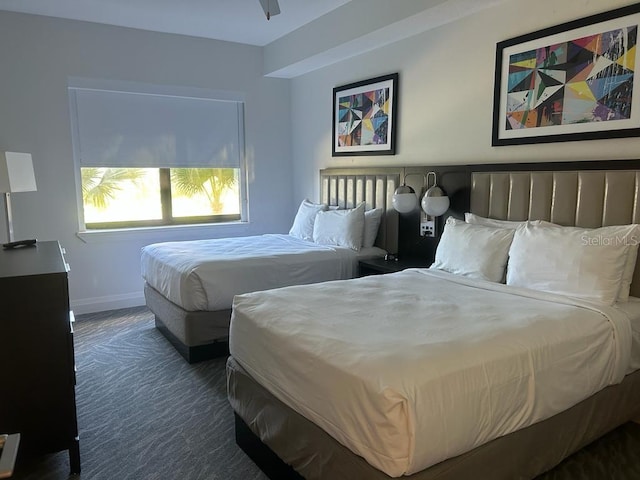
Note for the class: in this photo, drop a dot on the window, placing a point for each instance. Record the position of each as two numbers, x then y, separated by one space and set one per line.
150 159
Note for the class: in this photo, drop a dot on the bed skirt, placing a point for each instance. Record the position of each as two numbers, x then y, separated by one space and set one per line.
198 336
524 454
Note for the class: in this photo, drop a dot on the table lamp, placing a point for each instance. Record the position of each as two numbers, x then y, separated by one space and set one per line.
16 175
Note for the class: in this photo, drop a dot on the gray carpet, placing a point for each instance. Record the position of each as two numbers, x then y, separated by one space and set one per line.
145 414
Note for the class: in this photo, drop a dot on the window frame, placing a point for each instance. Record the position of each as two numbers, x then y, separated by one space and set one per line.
167 212
76 83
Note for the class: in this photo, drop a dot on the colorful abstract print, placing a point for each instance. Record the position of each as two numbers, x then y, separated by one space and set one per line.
363 118
581 81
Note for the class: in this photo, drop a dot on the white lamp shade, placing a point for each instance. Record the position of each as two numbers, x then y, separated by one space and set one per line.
434 202
404 200
16 172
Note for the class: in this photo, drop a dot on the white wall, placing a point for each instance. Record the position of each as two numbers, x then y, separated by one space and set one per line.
445 102
38 55
445 113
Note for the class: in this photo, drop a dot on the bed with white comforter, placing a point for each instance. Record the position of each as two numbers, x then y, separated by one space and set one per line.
423 365
206 274
518 347
190 285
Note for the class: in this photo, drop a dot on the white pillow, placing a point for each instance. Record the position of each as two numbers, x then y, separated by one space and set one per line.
343 228
632 253
583 263
630 267
630 264
494 222
474 251
371 224
303 223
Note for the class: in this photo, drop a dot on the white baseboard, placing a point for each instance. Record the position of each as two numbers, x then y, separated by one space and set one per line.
111 302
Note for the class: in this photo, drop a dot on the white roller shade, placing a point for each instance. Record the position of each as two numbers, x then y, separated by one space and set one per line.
123 129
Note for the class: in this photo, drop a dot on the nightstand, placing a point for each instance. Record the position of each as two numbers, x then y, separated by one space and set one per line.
378 266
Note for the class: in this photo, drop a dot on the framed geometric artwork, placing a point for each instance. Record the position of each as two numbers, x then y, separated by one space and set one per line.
574 81
364 117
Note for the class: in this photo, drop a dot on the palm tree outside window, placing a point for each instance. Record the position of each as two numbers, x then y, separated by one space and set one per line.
139 197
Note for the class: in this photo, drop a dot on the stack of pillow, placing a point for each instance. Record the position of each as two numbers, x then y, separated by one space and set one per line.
591 264
353 228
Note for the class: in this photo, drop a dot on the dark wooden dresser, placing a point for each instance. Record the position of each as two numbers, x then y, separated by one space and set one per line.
37 366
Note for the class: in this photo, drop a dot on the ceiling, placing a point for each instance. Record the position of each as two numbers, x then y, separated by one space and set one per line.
240 21
334 30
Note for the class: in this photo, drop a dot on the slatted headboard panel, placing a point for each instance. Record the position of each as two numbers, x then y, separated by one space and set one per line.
584 198
347 187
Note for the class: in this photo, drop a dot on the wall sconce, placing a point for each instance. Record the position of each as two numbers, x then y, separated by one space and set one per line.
434 202
404 198
16 175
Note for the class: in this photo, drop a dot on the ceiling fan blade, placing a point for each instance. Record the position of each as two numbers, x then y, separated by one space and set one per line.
270 7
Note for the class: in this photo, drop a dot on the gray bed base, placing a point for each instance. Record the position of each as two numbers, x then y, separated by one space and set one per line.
265 426
197 335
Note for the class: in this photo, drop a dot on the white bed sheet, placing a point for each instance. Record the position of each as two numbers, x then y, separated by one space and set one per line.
423 365
206 274
632 310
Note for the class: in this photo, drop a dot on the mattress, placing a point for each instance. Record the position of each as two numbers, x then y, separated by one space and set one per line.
315 455
206 274
431 365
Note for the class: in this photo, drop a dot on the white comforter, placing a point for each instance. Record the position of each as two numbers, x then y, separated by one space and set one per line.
411 368
206 274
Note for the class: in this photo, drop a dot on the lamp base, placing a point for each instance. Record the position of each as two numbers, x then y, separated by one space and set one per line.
8 216
20 243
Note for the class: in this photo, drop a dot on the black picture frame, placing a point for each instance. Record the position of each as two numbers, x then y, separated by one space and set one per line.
365 117
573 81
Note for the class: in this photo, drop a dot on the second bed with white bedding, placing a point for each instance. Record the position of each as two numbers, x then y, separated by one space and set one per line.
206 274
406 390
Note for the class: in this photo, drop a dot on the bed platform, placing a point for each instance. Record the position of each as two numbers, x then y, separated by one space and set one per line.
202 334
523 454
286 445
184 329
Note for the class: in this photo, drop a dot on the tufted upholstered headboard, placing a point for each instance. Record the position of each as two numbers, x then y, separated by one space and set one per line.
584 198
347 187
